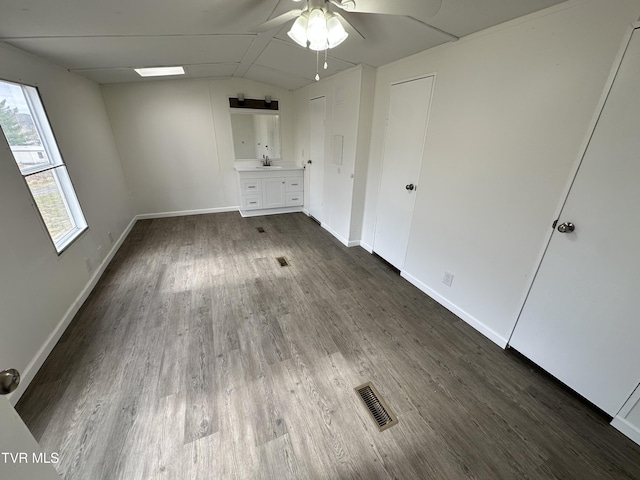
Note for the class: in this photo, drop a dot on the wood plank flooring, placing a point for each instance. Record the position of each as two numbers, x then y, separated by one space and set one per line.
198 357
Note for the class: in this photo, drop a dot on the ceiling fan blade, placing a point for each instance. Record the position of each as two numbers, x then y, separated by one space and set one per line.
413 8
348 22
277 21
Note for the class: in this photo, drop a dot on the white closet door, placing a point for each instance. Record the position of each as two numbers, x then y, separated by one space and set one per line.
20 456
315 164
580 321
628 418
403 148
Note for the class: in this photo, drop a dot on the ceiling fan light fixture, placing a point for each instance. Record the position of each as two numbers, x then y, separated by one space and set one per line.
298 31
317 27
318 46
336 33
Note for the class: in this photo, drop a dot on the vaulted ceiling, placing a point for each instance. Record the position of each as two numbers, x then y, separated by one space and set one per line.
104 39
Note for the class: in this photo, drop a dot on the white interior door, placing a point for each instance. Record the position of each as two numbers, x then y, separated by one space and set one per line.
20 455
402 155
315 165
580 321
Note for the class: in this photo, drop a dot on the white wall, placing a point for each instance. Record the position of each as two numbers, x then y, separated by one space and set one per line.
510 110
348 113
175 141
39 290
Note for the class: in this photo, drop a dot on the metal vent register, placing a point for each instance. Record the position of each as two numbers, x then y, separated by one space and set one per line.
377 407
282 261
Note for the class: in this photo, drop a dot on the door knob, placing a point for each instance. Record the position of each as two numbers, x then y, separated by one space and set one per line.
566 227
9 381
309 162
411 186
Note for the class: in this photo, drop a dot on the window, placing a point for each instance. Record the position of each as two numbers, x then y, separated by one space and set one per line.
29 135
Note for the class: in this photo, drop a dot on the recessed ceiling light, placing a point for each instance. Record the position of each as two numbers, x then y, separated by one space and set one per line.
159 71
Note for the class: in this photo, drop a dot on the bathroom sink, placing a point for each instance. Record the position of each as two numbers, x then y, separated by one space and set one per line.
270 167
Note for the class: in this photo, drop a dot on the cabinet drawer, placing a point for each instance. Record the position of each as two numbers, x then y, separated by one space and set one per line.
294 199
294 184
250 202
250 185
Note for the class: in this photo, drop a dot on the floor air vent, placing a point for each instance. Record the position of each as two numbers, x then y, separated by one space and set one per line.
377 407
282 261
260 229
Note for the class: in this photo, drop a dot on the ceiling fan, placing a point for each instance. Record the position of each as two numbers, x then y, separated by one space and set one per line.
319 28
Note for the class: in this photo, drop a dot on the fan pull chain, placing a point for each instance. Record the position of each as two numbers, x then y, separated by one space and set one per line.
317 60
325 58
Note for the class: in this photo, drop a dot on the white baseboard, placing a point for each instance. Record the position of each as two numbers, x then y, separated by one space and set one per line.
471 320
366 246
29 373
626 428
184 213
342 240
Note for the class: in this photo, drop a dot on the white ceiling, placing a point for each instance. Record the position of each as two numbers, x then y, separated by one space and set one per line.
104 39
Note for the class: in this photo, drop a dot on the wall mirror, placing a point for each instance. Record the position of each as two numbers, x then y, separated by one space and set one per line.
255 134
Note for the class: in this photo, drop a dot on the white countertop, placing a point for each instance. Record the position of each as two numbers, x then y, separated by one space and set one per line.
250 167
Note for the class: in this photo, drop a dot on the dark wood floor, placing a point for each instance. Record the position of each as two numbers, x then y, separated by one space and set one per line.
197 357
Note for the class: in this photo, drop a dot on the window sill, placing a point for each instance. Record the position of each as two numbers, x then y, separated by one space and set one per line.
68 239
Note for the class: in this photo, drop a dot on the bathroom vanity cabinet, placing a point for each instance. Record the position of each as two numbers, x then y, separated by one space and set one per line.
270 190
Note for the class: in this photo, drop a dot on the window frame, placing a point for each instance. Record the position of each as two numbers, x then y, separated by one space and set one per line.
56 165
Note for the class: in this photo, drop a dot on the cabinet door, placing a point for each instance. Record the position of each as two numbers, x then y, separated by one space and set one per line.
273 190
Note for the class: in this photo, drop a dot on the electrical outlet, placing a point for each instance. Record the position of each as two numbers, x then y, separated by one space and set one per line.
447 279
110 235
87 263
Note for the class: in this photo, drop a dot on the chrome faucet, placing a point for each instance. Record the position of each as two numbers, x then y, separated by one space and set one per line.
265 161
